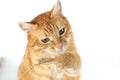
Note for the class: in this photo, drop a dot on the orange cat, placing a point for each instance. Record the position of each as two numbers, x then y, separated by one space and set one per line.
50 36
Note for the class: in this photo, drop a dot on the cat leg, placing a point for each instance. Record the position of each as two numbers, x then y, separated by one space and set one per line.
68 60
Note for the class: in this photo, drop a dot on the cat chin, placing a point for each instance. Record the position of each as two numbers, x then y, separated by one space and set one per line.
56 51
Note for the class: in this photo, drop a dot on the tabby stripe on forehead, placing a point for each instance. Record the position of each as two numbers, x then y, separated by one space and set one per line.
47 29
55 26
53 29
46 32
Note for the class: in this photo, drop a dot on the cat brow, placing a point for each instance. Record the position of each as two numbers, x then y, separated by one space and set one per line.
50 28
53 29
46 31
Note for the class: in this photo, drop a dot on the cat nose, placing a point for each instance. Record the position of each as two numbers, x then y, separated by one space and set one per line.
60 45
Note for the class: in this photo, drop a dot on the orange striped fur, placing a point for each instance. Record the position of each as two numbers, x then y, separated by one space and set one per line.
50 35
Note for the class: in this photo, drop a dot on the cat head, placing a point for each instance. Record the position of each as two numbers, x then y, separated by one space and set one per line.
49 32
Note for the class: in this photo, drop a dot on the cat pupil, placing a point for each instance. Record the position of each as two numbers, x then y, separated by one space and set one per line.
61 31
45 40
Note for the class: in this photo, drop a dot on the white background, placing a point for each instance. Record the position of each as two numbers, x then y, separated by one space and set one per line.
96 27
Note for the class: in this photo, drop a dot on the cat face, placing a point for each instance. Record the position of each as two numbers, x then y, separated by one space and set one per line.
49 32
53 36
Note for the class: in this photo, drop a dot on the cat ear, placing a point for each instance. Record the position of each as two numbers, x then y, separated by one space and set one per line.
27 26
57 9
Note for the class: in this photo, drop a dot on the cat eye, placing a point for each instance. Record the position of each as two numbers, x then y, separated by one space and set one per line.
45 40
61 31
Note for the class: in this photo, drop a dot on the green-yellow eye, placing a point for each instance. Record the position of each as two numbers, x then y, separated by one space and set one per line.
61 31
45 40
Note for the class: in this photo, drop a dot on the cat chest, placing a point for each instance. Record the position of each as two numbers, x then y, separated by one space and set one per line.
52 71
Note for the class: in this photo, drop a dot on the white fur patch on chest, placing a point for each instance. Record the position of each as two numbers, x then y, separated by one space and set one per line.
59 73
56 73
